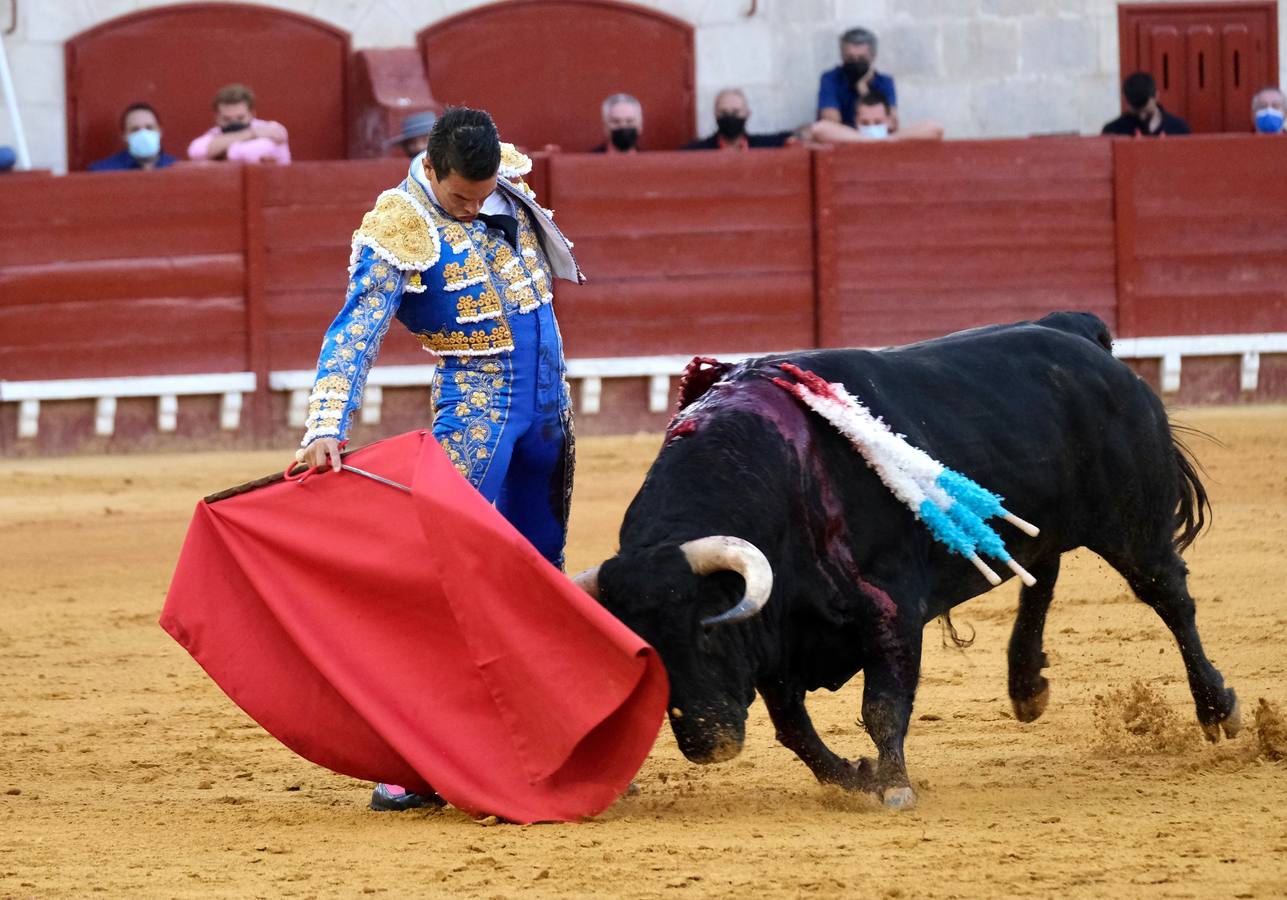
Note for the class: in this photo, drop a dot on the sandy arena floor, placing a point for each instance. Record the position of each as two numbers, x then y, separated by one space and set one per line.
125 771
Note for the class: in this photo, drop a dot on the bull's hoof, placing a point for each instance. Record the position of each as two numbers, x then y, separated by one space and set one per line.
1030 710
859 777
1230 725
898 798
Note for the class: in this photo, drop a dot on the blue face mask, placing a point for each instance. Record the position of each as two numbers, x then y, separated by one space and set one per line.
874 131
1269 120
144 143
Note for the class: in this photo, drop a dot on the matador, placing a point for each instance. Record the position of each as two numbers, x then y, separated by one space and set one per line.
463 255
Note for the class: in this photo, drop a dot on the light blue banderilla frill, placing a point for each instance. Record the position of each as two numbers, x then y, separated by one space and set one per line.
953 507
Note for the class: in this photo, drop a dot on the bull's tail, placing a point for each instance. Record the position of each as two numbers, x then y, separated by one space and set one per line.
1193 511
950 632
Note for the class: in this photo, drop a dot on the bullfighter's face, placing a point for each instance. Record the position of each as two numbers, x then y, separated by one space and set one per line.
711 674
462 198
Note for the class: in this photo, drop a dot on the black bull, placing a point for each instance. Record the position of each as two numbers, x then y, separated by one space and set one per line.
1040 413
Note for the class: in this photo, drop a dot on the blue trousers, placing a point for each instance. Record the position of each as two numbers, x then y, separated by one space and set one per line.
506 424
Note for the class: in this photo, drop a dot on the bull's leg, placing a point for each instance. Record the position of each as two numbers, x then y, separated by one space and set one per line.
1164 587
1029 690
889 689
795 731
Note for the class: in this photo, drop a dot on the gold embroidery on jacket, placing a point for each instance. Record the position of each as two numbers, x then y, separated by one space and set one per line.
482 342
459 276
474 308
400 233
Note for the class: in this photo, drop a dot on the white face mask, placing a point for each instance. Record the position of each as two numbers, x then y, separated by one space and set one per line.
144 143
880 131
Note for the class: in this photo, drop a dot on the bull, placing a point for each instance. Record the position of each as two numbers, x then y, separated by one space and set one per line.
761 554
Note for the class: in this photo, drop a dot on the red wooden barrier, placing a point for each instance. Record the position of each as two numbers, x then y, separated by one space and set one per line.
1202 235
691 253
122 273
308 216
963 234
216 269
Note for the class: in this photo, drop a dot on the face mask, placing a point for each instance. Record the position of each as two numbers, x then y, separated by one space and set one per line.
1269 120
144 143
625 138
874 131
730 126
856 69
234 126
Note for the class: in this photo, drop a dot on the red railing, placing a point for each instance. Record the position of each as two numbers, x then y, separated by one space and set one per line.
223 268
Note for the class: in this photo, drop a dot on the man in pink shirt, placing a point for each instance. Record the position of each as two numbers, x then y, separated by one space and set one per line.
238 135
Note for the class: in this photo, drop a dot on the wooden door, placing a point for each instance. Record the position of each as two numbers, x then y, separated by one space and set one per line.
543 67
1208 59
176 57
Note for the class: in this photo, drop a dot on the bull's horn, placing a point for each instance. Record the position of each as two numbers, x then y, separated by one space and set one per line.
588 581
722 552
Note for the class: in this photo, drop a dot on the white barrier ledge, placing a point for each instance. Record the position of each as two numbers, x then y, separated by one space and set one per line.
591 394
300 383
106 391
167 412
1172 350
128 386
660 369
232 386
230 411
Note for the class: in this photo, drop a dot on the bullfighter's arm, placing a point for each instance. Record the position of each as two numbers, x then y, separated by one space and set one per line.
392 248
351 345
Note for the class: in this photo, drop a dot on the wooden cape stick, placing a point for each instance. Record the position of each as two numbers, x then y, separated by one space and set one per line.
276 477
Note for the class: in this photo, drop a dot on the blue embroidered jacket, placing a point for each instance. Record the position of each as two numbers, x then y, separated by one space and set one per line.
413 261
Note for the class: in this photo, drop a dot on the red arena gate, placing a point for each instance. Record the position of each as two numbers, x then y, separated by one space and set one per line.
561 59
176 57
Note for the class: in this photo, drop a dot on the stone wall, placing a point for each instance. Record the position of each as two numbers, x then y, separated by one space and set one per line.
983 68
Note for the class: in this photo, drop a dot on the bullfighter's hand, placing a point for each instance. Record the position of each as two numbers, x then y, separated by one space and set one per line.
322 452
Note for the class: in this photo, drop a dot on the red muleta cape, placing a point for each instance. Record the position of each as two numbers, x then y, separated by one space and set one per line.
416 639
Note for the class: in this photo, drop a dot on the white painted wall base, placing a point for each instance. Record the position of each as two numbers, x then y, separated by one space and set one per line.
233 386
106 391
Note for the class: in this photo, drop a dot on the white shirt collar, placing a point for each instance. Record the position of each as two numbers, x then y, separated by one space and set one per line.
495 203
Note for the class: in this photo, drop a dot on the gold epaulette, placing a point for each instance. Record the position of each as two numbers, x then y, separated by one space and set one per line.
513 165
399 231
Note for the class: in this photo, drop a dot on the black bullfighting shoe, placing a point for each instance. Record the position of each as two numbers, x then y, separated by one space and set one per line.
395 798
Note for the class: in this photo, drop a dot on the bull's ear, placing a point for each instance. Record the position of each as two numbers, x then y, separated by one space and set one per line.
588 581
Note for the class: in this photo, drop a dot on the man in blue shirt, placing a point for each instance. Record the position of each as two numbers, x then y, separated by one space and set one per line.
840 88
141 131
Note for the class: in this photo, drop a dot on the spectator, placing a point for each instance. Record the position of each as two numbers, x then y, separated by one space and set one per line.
622 124
731 115
1267 109
238 136
840 88
414 138
1145 116
874 124
141 132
